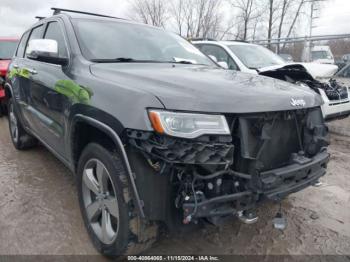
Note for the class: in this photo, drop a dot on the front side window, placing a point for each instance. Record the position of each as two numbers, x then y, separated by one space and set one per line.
113 40
7 49
256 57
220 54
37 33
54 32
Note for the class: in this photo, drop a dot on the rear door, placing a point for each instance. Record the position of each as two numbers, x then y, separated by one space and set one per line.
21 77
48 92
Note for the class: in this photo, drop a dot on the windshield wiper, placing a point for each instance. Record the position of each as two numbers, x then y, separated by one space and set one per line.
132 60
183 62
127 60
115 60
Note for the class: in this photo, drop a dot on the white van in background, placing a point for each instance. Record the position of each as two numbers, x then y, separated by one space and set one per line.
322 54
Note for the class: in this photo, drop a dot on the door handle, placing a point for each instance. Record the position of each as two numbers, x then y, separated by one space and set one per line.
32 71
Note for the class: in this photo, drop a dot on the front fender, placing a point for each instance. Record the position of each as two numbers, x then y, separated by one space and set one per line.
120 148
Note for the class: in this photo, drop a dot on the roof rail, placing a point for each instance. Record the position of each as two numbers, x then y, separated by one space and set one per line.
201 39
59 10
40 17
237 40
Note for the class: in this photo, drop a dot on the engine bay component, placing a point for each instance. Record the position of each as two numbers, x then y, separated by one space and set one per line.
335 91
182 151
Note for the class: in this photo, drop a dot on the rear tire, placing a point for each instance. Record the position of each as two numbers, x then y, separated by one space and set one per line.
20 138
103 181
3 109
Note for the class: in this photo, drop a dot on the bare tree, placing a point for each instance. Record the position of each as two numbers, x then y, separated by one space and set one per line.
257 24
273 6
153 12
199 18
296 16
339 47
247 13
284 11
178 9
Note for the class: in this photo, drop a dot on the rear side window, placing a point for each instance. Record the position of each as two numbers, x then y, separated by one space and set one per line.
55 32
22 45
37 33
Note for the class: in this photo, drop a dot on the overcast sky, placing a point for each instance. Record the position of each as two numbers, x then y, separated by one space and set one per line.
17 15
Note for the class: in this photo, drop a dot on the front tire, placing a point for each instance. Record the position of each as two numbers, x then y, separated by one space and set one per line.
20 138
107 207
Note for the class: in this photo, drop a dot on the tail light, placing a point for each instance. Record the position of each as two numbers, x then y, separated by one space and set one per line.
4 65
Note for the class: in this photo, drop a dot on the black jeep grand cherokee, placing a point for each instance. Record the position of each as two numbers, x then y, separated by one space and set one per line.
154 131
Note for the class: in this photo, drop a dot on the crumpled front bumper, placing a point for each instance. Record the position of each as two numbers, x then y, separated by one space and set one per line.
274 185
279 183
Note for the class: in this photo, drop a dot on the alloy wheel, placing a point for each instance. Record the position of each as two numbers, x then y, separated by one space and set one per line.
13 124
100 201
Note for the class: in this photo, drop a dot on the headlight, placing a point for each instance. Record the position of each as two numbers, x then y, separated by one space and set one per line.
188 125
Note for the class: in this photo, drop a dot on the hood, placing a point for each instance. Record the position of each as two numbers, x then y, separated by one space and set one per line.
317 71
204 89
320 70
4 65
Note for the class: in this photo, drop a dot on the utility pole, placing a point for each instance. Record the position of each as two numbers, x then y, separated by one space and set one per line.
312 18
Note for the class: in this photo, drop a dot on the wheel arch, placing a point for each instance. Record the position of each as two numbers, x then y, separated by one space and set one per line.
8 91
80 120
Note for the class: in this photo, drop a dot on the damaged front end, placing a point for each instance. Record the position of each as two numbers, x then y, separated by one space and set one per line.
334 94
266 156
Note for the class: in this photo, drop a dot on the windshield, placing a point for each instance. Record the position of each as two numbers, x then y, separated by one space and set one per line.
320 55
255 57
286 57
345 72
7 49
125 42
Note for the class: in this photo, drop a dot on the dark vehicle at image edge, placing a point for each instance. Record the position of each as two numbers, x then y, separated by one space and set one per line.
154 131
7 49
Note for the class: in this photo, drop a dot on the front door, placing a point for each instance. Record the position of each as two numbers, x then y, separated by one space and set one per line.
48 97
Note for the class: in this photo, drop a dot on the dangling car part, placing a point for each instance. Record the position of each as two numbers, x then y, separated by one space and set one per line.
334 93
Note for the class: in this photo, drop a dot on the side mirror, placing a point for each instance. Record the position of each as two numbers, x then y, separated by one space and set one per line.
45 50
223 64
213 58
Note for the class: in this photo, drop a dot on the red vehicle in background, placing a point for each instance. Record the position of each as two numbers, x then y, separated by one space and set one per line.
7 49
